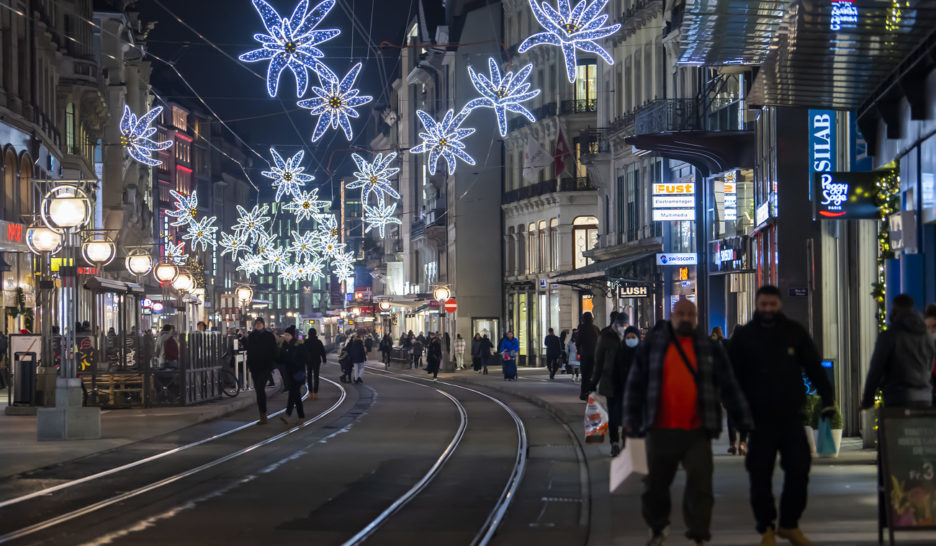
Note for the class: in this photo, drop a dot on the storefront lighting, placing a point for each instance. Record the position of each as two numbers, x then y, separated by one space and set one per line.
184 282
441 293
98 249
139 262
166 272
41 239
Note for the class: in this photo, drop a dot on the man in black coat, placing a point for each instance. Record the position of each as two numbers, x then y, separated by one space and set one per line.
586 342
553 352
770 354
315 357
261 358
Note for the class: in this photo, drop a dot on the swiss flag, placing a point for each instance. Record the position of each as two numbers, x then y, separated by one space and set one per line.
562 152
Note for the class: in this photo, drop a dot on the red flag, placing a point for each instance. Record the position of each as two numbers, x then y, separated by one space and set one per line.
562 152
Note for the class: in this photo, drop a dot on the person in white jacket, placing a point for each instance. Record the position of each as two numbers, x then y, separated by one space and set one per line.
459 352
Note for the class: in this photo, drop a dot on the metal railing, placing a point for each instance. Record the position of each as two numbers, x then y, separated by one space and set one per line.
540 112
579 106
434 218
667 116
546 187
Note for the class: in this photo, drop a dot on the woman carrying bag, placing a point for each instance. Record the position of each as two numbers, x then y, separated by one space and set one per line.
292 361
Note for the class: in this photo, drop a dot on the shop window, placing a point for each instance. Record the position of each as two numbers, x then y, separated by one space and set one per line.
179 118
585 237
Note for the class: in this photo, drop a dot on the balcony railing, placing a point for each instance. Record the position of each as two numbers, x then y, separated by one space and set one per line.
580 106
546 187
667 116
433 218
540 112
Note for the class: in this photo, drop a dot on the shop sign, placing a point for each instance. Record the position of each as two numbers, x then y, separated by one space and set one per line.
844 15
434 304
157 307
682 188
90 271
14 232
633 290
762 213
673 215
673 201
821 143
903 233
730 192
146 303
676 258
845 195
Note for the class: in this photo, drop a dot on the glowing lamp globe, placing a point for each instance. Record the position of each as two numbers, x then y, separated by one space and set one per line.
166 272
68 211
441 294
99 252
41 239
244 294
385 305
184 282
139 264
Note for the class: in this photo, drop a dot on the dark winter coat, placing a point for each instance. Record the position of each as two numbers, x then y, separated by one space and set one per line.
291 359
902 364
261 350
485 348
356 351
769 362
476 348
587 340
553 347
612 363
433 355
314 351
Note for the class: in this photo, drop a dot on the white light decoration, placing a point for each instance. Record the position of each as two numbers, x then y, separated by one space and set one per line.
176 252
374 177
139 262
291 43
335 101
249 225
251 265
304 245
265 243
99 249
288 176
443 139
42 239
184 282
135 136
276 257
244 294
202 233
379 216
330 245
343 265
502 94
328 223
186 208
314 269
289 272
165 272
570 29
441 293
305 205
233 245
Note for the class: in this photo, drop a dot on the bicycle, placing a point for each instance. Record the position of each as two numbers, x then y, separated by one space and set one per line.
230 384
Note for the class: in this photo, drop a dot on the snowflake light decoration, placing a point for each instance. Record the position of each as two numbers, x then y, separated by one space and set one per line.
288 176
233 245
291 43
330 245
290 272
135 136
249 225
202 233
503 94
571 29
276 257
328 223
305 205
335 101
304 245
186 208
379 216
313 269
374 177
265 243
176 252
343 265
443 139
251 264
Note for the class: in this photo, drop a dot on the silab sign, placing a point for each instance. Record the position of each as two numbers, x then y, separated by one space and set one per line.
821 143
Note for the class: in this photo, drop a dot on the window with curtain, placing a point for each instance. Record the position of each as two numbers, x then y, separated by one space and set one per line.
585 80
585 238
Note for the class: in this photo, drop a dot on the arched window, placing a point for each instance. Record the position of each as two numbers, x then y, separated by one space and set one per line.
9 186
585 237
25 197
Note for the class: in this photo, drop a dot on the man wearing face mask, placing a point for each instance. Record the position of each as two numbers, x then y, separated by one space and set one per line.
672 397
613 355
770 354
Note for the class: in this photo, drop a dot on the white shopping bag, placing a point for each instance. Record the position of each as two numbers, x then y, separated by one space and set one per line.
633 460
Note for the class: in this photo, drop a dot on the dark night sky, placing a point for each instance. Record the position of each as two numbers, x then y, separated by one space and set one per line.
234 93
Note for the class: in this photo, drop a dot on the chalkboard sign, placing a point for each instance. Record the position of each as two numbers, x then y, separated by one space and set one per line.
908 449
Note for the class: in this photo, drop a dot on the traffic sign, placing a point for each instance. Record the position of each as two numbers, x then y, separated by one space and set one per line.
451 305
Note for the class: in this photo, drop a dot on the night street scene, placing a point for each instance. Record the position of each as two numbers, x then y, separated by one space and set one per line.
468 272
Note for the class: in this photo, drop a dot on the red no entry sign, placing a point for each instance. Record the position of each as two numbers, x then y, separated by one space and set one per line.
451 306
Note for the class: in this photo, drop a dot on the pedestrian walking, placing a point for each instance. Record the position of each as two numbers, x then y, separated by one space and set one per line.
434 355
476 353
902 361
572 358
261 358
344 360
358 355
509 349
167 348
292 360
459 352
369 344
553 353
737 439
586 343
487 351
770 355
448 342
672 397
315 357
386 347
613 356
418 350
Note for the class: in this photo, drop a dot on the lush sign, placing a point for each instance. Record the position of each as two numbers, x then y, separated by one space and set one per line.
845 195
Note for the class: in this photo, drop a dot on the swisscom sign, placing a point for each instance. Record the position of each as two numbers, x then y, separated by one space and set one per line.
845 195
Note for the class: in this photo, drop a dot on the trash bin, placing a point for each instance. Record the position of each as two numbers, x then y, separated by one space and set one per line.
24 378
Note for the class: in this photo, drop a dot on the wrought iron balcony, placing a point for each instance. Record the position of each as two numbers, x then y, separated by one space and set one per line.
667 116
580 106
546 187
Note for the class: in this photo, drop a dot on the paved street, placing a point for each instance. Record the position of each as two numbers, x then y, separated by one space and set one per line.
396 460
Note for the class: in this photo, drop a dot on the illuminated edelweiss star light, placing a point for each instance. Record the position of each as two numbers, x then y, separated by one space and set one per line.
251 265
249 225
335 101
276 257
443 139
503 94
374 177
571 29
343 265
233 245
291 43
330 245
328 223
176 252
288 176
305 205
202 233
290 272
186 208
379 216
135 136
304 245
314 269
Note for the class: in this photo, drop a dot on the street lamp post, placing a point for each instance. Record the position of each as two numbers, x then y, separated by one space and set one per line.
44 242
441 294
65 209
244 295
184 283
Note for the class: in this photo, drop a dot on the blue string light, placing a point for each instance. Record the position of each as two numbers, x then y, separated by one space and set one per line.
335 101
444 139
503 94
135 136
287 175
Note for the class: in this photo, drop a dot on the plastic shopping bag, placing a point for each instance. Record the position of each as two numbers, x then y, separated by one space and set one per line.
825 443
631 461
596 421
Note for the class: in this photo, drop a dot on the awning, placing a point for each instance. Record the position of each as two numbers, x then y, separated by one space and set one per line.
102 285
597 270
